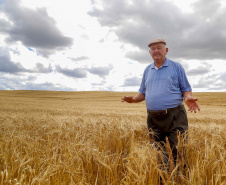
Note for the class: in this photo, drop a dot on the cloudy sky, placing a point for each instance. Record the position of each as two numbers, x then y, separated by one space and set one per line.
91 45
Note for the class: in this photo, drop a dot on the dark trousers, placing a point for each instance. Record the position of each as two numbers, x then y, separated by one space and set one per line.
167 128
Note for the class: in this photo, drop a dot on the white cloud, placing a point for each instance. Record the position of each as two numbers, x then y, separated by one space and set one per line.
102 45
34 28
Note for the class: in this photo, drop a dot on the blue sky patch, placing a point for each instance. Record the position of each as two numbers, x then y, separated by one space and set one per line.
30 49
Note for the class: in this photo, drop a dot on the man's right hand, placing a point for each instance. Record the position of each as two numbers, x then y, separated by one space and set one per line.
128 99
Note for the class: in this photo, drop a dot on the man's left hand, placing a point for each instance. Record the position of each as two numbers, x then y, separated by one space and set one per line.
192 103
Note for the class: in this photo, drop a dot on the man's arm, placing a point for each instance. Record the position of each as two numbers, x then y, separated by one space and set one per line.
190 101
130 99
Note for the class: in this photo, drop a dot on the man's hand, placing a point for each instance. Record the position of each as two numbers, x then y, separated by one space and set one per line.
192 103
128 99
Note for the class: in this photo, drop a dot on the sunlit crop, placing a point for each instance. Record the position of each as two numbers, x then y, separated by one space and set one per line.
92 138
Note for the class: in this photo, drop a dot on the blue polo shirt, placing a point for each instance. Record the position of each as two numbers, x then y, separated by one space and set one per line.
163 87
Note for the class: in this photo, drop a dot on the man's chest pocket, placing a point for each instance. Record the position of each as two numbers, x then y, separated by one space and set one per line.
172 83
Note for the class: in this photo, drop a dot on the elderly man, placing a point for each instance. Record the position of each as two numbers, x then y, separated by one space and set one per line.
164 87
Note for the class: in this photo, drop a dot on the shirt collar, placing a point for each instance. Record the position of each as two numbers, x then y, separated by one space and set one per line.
165 64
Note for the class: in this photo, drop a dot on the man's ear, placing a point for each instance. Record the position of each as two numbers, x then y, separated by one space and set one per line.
167 49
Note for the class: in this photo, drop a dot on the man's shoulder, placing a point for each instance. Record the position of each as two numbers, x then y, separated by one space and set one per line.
174 63
150 66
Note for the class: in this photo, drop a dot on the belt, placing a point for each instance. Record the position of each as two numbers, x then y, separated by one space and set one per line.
164 111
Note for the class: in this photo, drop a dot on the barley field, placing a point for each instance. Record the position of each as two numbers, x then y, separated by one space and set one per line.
92 138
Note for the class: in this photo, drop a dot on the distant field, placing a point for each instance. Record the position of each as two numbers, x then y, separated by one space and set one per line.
93 138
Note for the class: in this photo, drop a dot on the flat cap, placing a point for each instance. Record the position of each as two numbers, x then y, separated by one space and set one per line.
157 41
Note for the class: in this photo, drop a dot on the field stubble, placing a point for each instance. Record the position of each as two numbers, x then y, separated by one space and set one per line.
92 138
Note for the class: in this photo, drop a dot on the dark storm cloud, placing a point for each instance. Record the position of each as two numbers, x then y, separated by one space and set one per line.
206 8
219 83
40 68
133 81
7 83
47 86
212 82
205 82
100 71
99 84
34 28
75 73
79 58
12 82
197 35
142 56
6 65
18 83
222 77
200 70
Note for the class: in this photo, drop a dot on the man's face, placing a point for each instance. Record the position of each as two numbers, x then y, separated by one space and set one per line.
158 51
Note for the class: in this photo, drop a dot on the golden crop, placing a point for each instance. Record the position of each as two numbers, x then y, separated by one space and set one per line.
93 138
